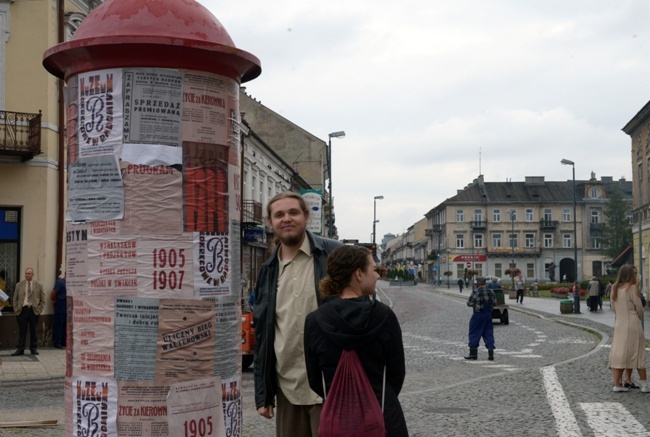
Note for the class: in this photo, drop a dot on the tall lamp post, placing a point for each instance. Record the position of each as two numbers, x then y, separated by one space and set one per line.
448 255
512 237
374 218
576 296
330 221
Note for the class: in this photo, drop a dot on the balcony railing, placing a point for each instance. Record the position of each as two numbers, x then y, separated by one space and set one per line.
478 224
251 213
548 224
20 134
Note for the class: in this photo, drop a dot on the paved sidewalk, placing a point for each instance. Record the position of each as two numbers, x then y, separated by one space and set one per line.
551 306
50 363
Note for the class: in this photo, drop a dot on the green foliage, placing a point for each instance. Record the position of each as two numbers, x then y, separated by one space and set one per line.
616 232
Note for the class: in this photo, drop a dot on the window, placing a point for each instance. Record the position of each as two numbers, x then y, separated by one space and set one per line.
478 215
597 268
478 241
530 270
513 240
496 241
498 269
496 215
245 188
595 216
253 193
566 215
460 216
566 240
512 215
460 270
529 214
548 214
479 267
548 240
261 199
595 243
595 192
530 240
460 241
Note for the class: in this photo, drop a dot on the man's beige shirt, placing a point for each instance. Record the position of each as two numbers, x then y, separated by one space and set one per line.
295 299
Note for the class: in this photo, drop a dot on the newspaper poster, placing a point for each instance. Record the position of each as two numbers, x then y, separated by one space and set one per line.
227 358
212 264
165 267
136 331
152 106
142 409
153 201
205 187
76 249
186 339
113 266
71 96
204 107
94 406
232 405
94 204
100 112
194 409
93 335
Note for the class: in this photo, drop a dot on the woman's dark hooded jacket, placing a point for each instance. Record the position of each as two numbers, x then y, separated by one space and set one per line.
369 327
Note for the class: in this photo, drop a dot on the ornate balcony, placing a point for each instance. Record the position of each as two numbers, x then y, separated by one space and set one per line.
478 224
20 134
251 213
548 224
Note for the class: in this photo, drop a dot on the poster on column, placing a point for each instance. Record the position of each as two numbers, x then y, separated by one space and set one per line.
100 112
232 405
142 409
212 264
71 97
194 408
234 150
227 357
136 331
165 267
153 200
186 339
152 106
204 108
93 335
76 250
205 187
94 406
113 266
95 189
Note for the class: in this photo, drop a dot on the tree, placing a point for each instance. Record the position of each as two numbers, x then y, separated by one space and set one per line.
616 232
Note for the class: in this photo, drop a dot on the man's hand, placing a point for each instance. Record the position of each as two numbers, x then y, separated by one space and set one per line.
266 411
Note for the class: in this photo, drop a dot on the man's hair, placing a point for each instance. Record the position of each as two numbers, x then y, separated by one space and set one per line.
288 195
480 280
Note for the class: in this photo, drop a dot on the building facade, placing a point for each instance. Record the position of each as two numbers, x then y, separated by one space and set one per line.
492 226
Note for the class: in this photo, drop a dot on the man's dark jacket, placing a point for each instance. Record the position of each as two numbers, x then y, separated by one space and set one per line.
266 382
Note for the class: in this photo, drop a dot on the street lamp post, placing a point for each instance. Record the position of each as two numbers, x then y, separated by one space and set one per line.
330 221
576 296
512 237
374 218
448 255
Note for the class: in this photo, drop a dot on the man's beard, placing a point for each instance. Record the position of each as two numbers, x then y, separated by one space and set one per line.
292 240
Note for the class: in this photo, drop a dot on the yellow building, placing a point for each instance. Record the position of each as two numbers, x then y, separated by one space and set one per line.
32 168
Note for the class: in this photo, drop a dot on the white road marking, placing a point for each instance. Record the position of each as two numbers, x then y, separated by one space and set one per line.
609 419
565 421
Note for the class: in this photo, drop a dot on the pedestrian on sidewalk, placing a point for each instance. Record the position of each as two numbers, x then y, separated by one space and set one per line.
58 297
461 283
482 300
593 293
628 343
28 302
519 283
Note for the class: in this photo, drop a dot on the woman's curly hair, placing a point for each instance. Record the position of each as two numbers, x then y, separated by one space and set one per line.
341 264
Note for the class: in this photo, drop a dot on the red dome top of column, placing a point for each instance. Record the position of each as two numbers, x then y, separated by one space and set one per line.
151 33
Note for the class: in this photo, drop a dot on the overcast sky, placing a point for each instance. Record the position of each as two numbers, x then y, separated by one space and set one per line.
433 93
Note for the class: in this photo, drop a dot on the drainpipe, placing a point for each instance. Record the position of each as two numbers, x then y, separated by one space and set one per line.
61 148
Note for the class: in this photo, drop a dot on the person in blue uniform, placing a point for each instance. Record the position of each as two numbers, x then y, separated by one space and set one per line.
482 300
